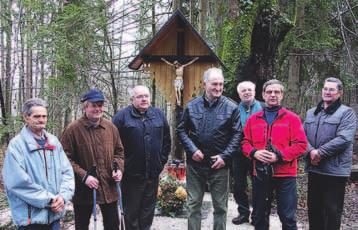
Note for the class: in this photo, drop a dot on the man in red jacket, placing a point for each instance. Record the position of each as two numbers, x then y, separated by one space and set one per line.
274 138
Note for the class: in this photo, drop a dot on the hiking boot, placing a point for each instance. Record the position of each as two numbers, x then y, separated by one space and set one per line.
240 220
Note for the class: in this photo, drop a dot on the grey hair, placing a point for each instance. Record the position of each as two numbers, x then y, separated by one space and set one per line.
244 83
273 82
27 106
210 71
335 80
131 91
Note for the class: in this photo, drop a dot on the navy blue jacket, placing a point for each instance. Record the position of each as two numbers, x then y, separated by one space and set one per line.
214 129
146 141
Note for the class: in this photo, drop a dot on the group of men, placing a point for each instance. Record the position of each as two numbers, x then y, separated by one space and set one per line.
41 174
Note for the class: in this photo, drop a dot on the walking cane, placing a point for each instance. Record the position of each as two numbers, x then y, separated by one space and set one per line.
93 173
122 225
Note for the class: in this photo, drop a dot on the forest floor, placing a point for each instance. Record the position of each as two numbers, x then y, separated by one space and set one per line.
349 218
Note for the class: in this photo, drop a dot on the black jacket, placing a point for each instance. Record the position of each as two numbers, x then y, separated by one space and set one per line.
146 141
214 129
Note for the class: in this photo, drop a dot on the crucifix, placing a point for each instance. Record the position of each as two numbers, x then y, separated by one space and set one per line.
179 72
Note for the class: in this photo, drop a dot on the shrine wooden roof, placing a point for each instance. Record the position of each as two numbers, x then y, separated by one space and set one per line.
184 33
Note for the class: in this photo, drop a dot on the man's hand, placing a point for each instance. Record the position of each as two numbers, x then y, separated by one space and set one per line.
58 204
198 156
315 157
117 175
265 156
91 182
219 162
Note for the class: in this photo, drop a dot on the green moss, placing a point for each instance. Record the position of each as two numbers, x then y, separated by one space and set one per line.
236 47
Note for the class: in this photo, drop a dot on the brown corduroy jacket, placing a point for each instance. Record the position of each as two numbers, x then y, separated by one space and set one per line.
86 146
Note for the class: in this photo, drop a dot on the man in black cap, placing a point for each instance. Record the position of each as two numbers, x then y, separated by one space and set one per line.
92 144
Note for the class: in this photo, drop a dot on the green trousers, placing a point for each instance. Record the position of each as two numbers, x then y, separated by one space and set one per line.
218 181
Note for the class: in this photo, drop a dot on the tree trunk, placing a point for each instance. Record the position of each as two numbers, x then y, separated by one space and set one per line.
21 84
270 28
8 77
28 78
202 16
2 56
191 11
176 4
293 87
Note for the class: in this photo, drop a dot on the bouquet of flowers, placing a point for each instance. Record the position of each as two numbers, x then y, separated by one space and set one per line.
171 196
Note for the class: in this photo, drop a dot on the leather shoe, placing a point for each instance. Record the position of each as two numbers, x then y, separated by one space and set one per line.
240 220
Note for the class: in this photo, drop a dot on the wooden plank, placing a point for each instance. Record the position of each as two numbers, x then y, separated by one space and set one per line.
181 59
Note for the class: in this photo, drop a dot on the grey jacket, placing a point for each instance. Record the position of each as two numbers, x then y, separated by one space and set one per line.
332 133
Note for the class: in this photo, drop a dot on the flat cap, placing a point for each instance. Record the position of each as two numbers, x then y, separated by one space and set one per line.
93 95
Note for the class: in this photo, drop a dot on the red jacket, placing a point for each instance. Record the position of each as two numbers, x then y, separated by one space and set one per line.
286 134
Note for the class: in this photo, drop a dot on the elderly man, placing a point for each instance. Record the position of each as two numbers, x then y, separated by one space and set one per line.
210 131
242 165
92 144
37 175
146 139
274 139
330 129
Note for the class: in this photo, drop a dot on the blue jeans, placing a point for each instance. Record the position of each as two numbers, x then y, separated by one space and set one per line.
53 226
286 196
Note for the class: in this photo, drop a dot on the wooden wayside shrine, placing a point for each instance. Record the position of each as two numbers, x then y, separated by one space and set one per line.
176 41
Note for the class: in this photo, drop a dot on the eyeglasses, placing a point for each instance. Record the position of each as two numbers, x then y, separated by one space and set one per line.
330 90
269 92
142 96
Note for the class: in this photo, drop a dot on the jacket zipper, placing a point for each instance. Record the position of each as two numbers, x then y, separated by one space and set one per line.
44 152
269 132
28 214
315 138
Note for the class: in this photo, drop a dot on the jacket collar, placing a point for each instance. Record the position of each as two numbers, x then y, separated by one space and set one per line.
147 114
30 142
330 109
212 104
248 107
88 124
280 112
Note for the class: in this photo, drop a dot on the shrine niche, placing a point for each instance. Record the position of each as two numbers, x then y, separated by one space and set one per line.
176 57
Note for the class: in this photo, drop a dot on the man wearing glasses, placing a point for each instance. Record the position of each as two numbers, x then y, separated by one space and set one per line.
330 128
274 139
146 139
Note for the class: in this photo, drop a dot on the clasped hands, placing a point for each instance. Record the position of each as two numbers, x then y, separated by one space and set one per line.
199 156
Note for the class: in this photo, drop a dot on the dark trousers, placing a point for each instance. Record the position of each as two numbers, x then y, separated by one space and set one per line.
286 196
242 167
325 201
53 226
139 199
109 214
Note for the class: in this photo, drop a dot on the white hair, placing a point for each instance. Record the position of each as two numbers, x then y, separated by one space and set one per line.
241 84
210 72
132 90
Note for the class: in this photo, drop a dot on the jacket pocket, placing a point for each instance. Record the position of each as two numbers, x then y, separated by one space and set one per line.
329 128
222 123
